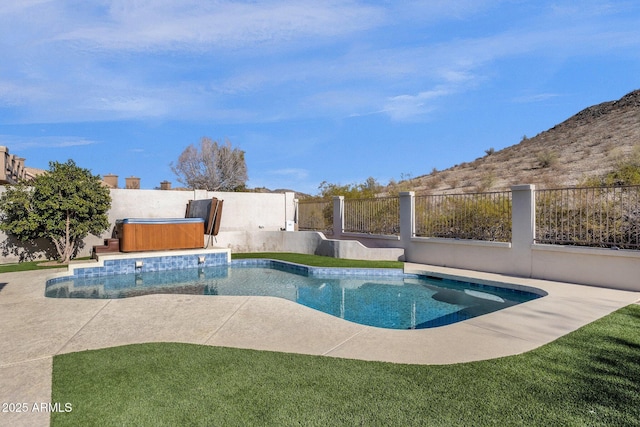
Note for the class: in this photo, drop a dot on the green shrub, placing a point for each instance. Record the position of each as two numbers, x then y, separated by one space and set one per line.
627 172
475 216
547 158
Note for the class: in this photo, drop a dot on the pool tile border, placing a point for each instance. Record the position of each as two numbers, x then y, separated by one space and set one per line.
142 262
318 271
382 273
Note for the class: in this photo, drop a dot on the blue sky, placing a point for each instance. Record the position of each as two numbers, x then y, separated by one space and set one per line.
310 90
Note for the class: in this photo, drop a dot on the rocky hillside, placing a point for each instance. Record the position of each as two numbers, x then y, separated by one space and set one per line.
590 143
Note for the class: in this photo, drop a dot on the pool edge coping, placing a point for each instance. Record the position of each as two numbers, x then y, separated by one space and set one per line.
509 283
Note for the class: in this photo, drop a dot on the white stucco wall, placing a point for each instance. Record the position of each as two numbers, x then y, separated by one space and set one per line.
304 242
241 211
607 268
619 269
252 222
467 254
522 257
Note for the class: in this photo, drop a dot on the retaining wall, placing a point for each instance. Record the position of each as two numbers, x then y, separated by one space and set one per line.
619 269
252 222
248 212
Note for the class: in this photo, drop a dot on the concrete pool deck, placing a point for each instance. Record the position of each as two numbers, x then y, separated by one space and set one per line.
35 328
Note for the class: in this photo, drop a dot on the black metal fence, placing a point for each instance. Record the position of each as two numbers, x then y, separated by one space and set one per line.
315 216
604 217
607 217
478 216
380 216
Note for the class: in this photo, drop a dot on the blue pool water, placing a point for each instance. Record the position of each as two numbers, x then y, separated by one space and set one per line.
389 299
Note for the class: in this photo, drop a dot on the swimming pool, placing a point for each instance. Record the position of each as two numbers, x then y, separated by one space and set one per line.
385 298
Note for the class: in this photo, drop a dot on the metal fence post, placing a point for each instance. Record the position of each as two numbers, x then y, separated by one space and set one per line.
338 216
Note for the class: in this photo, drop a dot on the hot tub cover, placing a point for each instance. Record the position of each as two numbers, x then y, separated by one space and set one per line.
159 220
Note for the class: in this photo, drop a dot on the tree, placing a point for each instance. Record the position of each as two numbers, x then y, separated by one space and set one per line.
63 205
213 167
366 190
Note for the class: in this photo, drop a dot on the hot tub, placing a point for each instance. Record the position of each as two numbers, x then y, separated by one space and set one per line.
156 234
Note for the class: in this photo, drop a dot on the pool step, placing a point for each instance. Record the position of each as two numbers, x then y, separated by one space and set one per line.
110 245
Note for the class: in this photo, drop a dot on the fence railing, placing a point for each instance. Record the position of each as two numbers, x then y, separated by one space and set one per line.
599 217
480 216
380 216
596 217
316 216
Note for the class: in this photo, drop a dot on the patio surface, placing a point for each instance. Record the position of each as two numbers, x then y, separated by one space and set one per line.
35 328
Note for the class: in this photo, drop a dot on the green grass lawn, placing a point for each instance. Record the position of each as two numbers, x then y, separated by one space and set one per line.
314 260
319 261
27 266
590 377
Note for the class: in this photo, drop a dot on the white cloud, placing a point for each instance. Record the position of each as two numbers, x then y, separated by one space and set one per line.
129 106
435 10
270 60
195 24
13 7
408 107
291 173
538 97
413 107
11 94
18 143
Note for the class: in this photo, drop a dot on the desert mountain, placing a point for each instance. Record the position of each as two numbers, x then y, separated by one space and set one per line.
589 143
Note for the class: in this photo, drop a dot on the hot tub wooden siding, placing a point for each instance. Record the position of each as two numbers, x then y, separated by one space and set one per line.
157 235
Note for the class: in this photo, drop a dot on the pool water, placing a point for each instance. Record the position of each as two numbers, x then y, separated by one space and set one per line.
397 301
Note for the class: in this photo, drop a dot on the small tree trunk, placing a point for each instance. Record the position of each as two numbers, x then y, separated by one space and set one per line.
67 242
68 251
64 247
59 248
